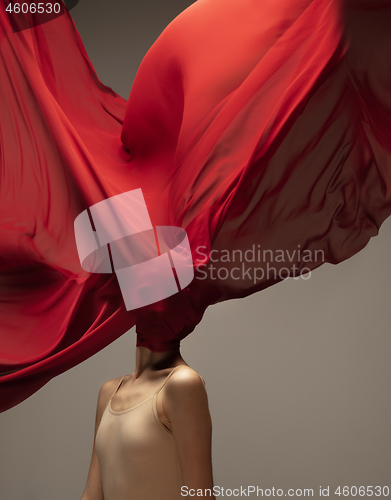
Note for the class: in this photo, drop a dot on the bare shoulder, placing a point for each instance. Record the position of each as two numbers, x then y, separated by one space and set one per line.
185 383
186 377
185 403
109 387
105 393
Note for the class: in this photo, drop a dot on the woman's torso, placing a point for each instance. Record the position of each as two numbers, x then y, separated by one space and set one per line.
137 454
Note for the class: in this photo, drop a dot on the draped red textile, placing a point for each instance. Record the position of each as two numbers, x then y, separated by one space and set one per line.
255 126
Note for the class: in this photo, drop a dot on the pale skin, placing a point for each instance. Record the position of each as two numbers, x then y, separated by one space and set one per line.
183 401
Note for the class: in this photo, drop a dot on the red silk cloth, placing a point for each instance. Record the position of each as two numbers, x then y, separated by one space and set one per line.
249 124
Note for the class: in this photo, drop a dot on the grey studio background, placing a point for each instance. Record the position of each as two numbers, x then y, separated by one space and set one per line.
298 376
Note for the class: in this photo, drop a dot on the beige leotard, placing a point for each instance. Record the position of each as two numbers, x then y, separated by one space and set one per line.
137 454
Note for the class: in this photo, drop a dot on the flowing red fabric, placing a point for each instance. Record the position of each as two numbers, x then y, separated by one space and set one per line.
253 125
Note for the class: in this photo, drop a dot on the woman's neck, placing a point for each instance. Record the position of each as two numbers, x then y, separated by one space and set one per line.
150 360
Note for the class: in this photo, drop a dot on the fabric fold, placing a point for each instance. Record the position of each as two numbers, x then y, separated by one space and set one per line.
261 128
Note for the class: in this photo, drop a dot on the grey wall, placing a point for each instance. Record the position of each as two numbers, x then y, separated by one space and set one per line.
298 376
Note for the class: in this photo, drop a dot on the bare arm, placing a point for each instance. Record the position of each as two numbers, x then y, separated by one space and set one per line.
185 404
93 489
